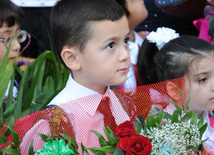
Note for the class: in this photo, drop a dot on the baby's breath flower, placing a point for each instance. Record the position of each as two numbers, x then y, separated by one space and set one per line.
174 138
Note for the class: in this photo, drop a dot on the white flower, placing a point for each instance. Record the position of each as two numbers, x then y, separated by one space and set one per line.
162 36
174 138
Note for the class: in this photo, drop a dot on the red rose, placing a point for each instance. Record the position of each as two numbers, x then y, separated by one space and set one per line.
138 145
126 129
206 153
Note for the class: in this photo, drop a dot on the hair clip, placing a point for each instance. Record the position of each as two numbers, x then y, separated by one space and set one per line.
162 36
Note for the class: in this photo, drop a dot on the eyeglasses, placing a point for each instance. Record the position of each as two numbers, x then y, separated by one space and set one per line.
21 37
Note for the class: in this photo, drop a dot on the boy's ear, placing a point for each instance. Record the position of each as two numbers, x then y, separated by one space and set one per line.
69 56
172 91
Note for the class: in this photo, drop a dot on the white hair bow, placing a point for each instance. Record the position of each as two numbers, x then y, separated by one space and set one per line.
162 36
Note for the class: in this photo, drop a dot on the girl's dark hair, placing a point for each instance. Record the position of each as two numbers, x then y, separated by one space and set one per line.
10 13
172 61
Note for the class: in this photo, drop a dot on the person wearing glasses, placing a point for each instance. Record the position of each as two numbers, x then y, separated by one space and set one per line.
37 22
10 19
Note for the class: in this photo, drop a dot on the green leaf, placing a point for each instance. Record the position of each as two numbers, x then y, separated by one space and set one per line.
5 59
10 151
193 147
182 103
43 136
84 149
158 125
158 119
9 110
102 140
109 136
175 104
203 128
112 136
22 92
70 139
5 78
167 116
32 88
194 118
15 137
3 140
11 124
138 128
1 123
175 116
10 94
150 122
97 152
118 151
187 106
186 117
200 122
143 125
106 149
31 152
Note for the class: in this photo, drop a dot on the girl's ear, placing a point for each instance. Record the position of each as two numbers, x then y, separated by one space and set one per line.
172 91
69 56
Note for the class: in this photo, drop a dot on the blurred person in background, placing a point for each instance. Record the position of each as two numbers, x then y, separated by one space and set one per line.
37 22
158 18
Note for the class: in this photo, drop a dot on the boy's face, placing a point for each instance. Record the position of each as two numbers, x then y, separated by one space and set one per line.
200 84
105 59
6 32
138 12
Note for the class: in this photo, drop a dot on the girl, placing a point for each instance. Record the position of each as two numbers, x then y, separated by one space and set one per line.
186 56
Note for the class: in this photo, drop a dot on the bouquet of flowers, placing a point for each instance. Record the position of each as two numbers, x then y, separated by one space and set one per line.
179 133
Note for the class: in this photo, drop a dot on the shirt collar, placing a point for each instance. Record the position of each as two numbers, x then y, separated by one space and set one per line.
83 95
134 48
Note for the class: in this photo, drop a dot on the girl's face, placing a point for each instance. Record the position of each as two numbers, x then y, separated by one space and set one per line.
6 32
138 12
200 84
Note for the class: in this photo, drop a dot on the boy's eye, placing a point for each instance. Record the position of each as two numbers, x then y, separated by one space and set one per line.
202 80
126 41
110 46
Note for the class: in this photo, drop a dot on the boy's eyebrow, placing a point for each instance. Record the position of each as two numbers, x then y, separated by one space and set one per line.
202 73
113 37
128 33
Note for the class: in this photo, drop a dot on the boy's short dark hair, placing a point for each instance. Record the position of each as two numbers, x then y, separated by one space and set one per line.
123 4
71 20
10 13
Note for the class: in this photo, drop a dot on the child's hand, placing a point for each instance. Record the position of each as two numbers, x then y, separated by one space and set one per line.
211 1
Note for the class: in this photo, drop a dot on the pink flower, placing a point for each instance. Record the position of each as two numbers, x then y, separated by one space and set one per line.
203 27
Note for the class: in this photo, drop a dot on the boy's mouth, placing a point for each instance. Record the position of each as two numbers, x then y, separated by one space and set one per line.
123 69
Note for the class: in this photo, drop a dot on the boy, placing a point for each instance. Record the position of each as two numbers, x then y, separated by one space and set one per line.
91 38
136 13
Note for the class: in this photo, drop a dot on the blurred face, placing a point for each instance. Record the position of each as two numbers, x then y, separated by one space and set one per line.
138 12
105 59
6 32
200 84
211 1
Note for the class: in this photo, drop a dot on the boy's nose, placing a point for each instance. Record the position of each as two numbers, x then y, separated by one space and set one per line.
124 54
15 46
